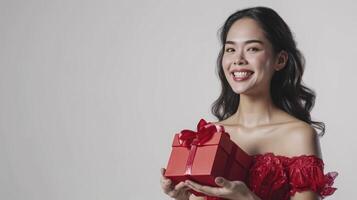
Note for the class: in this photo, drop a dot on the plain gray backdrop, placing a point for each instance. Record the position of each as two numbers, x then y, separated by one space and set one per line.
93 91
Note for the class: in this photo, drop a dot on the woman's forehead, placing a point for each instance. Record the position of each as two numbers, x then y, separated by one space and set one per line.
245 29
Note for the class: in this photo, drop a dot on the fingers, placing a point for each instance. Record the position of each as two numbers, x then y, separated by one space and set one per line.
220 181
166 183
181 185
178 190
210 191
162 170
227 188
169 188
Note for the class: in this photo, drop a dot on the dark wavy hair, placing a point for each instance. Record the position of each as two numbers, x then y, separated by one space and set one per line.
287 90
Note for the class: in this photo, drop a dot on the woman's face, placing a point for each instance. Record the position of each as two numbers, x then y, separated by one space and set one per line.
248 60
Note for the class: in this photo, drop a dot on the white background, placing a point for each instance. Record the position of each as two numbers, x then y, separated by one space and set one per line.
91 92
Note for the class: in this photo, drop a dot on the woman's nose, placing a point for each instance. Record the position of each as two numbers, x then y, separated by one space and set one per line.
240 60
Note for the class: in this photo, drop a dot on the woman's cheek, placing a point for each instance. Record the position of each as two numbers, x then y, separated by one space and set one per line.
226 60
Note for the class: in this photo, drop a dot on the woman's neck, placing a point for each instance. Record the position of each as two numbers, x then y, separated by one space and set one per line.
255 111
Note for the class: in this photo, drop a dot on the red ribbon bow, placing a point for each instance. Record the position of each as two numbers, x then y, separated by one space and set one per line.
205 131
192 139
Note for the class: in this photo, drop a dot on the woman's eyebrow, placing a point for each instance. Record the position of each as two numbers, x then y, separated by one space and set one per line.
246 42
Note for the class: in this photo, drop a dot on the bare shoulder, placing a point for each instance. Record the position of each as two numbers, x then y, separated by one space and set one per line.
289 137
300 130
300 138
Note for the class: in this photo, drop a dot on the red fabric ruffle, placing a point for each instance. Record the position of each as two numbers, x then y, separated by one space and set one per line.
274 177
279 177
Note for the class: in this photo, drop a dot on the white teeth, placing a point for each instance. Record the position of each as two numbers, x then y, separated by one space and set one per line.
242 74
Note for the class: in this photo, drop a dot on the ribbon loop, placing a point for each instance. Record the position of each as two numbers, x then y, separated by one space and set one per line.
204 132
192 139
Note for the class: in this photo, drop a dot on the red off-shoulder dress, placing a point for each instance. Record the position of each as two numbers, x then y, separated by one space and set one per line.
275 177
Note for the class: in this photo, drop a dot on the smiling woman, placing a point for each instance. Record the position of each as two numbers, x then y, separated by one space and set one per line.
246 44
266 110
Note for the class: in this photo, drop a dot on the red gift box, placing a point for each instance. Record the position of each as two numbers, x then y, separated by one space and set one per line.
206 154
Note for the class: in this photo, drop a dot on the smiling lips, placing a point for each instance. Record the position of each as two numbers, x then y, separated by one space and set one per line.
241 75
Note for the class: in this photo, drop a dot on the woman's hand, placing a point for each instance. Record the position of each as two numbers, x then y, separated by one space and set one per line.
227 189
178 192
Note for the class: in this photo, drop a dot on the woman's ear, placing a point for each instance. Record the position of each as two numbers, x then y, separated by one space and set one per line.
282 59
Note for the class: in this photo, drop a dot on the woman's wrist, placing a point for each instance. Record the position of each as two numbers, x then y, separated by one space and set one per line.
253 196
249 196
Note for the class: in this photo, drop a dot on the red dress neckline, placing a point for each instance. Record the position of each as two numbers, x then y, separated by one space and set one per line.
282 156
278 177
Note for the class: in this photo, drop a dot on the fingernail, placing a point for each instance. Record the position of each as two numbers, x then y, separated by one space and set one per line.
219 180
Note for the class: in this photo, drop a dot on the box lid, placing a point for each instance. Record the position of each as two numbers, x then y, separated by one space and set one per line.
218 138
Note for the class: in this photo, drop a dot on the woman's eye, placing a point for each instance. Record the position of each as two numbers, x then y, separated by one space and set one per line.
229 50
254 49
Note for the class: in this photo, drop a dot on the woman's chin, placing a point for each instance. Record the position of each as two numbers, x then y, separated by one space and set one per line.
239 91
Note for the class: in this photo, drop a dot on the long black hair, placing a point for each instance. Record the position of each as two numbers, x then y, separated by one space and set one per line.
287 91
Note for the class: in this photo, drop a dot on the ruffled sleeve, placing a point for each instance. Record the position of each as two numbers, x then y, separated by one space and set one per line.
307 173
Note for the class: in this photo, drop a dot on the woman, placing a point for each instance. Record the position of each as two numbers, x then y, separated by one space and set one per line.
266 110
